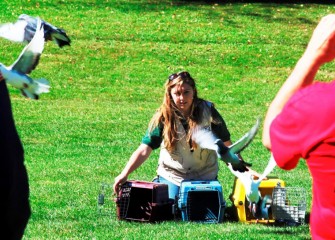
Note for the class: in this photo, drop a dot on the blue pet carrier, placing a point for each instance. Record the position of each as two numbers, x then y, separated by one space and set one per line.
201 201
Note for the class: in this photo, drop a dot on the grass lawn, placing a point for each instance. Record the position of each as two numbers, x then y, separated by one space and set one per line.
107 85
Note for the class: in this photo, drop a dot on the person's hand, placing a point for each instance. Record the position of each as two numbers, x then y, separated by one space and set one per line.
119 180
256 175
230 158
1 77
322 43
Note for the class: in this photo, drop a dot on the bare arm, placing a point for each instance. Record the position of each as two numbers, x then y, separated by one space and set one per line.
137 158
321 49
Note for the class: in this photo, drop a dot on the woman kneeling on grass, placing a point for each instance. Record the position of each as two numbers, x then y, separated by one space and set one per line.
171 128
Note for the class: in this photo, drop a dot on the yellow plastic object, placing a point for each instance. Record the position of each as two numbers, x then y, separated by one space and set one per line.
241 204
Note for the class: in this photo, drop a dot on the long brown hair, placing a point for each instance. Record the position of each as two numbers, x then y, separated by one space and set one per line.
168 114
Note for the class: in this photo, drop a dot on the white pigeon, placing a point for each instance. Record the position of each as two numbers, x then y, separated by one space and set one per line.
23 30
206 139
251 185
16 74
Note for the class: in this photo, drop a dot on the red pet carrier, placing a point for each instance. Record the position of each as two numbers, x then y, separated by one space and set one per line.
144 201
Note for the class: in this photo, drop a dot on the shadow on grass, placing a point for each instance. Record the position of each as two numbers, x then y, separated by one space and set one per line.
233 7
281 2
231 216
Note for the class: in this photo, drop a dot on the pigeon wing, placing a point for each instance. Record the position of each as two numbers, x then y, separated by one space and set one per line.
31 26
51 33
244 141
30 55
13 31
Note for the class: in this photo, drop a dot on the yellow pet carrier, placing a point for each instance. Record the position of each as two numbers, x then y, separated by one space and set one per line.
241 204
284 205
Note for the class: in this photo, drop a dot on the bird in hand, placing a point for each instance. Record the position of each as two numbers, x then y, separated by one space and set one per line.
23 30
17 74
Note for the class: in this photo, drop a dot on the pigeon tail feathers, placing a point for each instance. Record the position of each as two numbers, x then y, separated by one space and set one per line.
42 86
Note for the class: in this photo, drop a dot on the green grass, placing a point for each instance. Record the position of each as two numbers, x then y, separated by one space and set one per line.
107 85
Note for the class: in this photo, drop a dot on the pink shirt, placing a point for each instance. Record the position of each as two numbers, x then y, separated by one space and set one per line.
306 129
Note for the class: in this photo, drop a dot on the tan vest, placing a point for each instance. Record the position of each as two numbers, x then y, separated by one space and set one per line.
184 164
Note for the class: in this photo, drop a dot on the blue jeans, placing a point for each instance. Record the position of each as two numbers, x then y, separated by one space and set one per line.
173 188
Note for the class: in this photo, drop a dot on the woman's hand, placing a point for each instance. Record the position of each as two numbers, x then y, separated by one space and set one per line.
255 174
322 43
119 180
137 158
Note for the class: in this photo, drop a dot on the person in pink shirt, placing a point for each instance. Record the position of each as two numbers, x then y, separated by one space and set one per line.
300 123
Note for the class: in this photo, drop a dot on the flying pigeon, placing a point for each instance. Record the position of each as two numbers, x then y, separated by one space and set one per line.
23 30
206 139
16 74
229 154
253 195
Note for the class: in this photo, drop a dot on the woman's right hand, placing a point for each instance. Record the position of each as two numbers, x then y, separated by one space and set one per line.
137 158
119 180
